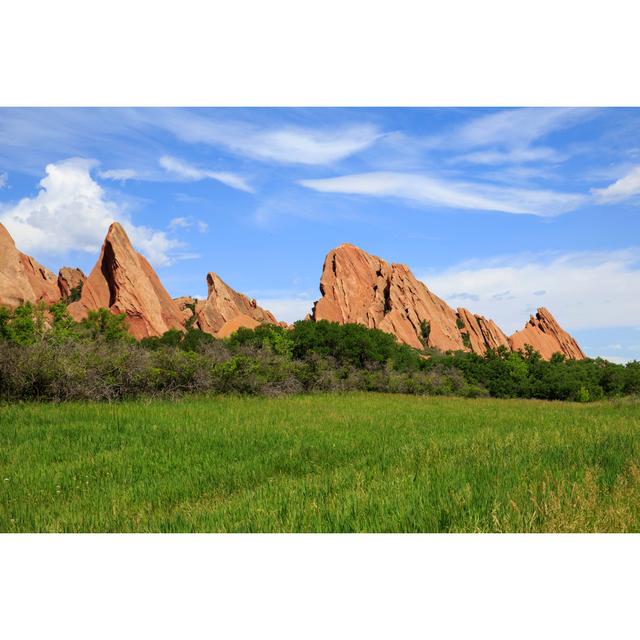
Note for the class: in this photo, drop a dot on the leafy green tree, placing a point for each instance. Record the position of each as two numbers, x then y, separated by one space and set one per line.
104 324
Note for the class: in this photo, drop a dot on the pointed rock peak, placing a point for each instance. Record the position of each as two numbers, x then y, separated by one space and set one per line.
6 240
124 282
224 304
116 231
545 335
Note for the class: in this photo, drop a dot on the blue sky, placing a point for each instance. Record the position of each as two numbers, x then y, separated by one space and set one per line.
497 210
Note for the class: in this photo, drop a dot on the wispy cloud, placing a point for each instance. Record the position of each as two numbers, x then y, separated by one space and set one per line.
622 189
188 223
515 128
282 144
185 171
428 190
71 213
3 180
507 137
583 289
119 174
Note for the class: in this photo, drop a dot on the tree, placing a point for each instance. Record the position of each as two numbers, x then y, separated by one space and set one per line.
110 326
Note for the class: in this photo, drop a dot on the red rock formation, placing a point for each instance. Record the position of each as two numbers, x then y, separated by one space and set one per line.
231 326
224 304
124 282
546 336
361 288
483 333
23 279
70 279
187 306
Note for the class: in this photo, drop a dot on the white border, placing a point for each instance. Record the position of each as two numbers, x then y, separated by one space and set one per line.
314 586
319 52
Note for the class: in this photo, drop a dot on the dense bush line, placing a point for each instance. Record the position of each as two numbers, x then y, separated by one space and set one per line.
45 355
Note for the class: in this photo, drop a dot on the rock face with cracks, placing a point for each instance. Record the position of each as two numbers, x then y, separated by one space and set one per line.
124 282
23 279
70 281
224 305
546 336
361 288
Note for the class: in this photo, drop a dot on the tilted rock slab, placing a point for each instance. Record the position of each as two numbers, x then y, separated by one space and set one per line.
23 279
483 333
361 288
546 336
224 304
124 282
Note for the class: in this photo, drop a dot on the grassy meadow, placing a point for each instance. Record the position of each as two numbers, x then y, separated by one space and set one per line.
320 463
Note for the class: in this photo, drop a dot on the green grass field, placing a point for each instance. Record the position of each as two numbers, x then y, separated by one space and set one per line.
361 462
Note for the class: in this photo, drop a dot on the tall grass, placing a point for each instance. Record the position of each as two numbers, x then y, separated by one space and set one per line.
341 463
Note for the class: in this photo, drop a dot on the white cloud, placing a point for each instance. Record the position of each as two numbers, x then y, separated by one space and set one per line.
287 309
3 180
288 145
583 290
188 223
516 128
119 174
459 195
626 187
188 172
511 156
70 212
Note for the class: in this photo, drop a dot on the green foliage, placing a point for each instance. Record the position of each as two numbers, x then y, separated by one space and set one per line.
460 323
189 340
188 325
75 293
279 340
23 325
425 332
104 324
46 355
466 341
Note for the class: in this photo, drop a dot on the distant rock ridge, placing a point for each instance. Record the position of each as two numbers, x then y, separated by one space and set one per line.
356 287
365 289
124 282
23 279
546 336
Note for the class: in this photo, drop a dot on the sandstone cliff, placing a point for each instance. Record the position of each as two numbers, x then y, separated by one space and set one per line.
224 305
482 333
361 288
70 282
23 279
124 282
546 336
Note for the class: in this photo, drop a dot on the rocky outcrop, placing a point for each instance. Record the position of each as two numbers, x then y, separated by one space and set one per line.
70 282
231 326
361 288
224 304
546 336
124 282
23 279
187 306
481 334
